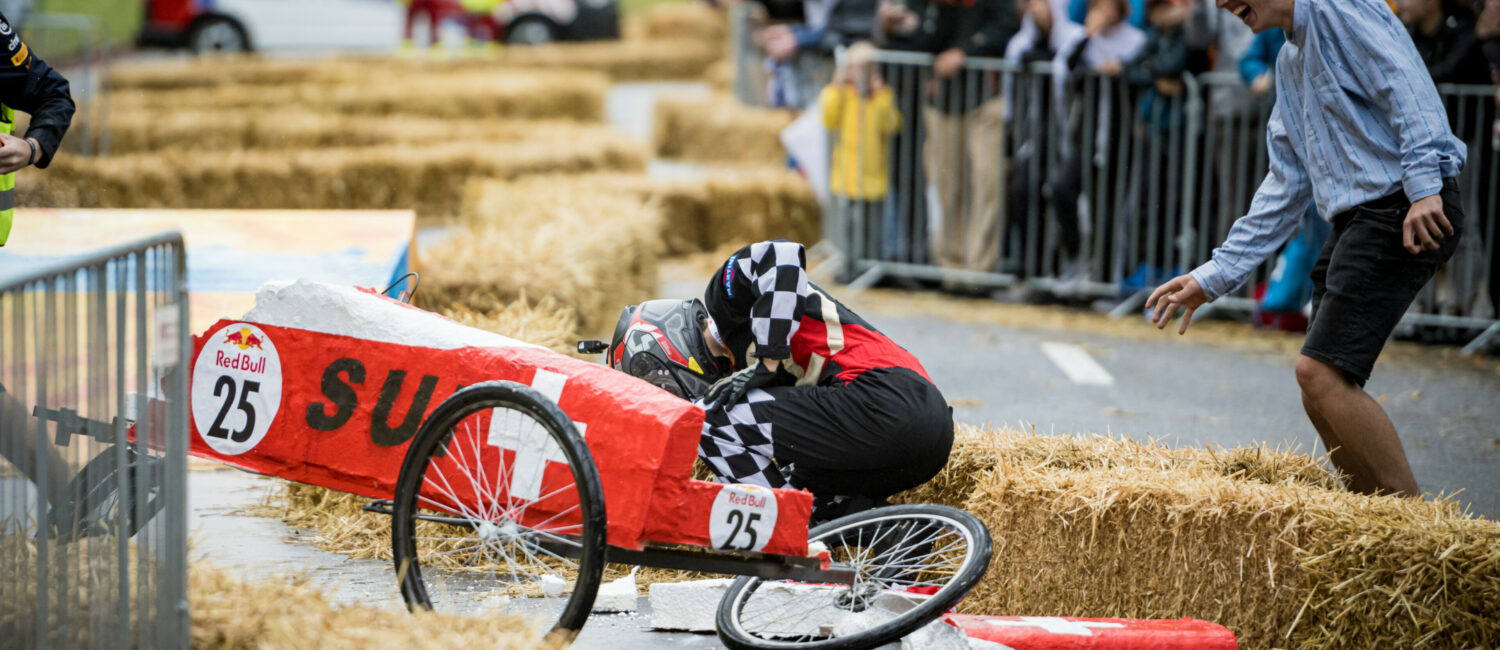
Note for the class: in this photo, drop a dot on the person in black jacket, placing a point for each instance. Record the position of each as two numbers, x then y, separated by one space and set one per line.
30 85
1444 35
964 115
27 84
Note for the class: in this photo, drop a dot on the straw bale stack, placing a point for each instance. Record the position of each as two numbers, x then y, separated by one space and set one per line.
719 129
1255 540
427 177
727 207
665 56
158 75
686 20
594 251
720 76
493 94
673 57
140 131
232 614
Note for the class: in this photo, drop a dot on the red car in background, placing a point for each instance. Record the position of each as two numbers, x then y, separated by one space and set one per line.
288 25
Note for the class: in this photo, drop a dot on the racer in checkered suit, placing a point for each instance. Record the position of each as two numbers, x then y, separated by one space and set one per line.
798 391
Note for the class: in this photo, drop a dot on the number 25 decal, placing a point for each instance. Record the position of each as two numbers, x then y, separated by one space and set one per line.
739 520
236 389
217 430
743 518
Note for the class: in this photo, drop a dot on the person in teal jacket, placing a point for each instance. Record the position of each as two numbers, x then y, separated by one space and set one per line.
1079 10
1260 60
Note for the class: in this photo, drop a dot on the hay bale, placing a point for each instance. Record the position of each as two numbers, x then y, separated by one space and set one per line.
427 177
1255 540
592 251
247 70
686 20
664 57
231 613
364 90
719 129
720 76
136 131
627 60
722 208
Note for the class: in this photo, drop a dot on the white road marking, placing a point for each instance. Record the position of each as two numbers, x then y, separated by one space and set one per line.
1076 363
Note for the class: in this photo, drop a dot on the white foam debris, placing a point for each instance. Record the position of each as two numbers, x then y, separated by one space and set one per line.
981 644
618 595
851 623
333 309
552 585
689 606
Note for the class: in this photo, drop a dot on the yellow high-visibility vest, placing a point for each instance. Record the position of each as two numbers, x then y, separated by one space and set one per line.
7 181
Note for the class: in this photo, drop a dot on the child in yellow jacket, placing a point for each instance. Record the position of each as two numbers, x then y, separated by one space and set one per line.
860 110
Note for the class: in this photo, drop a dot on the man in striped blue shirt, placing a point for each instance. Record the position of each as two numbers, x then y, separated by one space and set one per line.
1359 130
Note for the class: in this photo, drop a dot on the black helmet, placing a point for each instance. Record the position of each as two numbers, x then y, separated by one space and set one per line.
661 341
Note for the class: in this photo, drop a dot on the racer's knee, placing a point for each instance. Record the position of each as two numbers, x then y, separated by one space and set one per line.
928 431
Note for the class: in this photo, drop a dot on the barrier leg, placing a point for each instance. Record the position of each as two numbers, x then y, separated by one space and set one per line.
1482 341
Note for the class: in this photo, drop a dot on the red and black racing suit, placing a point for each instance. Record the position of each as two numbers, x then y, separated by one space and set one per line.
852 413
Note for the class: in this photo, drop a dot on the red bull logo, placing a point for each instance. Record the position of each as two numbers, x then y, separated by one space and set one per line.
243 339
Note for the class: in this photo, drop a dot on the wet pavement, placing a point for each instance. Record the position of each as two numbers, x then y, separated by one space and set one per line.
225 534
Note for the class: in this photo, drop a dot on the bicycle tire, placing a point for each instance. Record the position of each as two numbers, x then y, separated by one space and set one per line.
437 431
976 558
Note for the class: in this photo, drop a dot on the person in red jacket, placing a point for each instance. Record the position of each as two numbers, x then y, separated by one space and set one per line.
798 391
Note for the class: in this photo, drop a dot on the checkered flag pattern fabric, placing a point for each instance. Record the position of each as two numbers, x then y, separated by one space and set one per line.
777 268
736 442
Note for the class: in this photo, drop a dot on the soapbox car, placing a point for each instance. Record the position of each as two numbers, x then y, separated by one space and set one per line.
514 474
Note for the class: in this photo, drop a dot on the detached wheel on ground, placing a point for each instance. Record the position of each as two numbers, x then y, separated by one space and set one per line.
216 34
530 30
913 563
499 508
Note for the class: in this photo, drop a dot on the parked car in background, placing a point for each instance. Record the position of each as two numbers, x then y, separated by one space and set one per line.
530 22
289 25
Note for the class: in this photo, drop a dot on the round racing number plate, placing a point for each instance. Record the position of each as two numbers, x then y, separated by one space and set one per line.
236 388
742 518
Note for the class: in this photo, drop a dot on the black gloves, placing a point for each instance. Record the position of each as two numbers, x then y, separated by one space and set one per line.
732 389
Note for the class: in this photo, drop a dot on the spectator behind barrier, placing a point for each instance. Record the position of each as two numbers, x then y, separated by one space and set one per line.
1444 34
1258 66
1046 35
799 54
1078 11
964 149
859 109
1159 67
1164 59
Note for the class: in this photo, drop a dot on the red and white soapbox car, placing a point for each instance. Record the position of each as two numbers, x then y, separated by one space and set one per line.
514 474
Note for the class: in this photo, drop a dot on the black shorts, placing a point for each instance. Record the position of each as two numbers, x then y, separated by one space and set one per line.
1365 279
888 431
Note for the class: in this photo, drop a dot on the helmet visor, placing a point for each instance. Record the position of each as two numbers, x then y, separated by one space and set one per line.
656 373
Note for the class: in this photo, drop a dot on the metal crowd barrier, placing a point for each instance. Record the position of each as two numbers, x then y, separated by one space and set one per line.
93 450
1000 177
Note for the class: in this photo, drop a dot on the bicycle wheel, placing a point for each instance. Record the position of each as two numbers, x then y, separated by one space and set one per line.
499 508
912 563
90 506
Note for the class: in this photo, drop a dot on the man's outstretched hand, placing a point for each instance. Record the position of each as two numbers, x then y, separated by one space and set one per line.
730 390
1179 292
